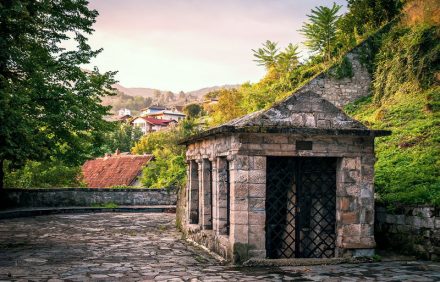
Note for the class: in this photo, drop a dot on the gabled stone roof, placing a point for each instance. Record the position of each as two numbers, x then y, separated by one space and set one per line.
302 110
304 113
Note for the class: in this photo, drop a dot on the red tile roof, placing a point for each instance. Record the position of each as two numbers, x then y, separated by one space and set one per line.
114 170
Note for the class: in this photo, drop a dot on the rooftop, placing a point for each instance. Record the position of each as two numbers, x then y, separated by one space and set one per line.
156 121
118 169
301 113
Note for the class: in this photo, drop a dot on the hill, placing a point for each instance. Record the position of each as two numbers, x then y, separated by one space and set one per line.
138 98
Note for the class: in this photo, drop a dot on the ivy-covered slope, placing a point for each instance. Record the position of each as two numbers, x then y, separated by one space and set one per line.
406 99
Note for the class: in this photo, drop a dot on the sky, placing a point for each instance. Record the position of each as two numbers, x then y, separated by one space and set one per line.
190 44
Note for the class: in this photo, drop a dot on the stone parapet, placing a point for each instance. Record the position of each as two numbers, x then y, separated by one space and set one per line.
411 230
84 197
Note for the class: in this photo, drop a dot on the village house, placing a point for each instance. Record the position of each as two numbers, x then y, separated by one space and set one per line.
160 112
124 112
150 124
168 115
292 181
152 110
119 169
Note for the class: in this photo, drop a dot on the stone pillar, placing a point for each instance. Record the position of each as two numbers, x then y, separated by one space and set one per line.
187 192
193 194
215 216
200 191
239 206
222 227
206 195
257 206
355 206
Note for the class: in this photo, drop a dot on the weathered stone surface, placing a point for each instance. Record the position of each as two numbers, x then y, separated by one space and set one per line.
62 197
147 247
411 230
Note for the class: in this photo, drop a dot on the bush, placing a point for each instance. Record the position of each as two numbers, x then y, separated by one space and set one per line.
43 175
168 169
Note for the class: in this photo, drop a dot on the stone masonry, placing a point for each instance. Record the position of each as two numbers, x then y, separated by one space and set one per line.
340 92
231 213
85 197
410 229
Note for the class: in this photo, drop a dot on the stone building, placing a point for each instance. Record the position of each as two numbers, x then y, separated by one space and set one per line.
292 181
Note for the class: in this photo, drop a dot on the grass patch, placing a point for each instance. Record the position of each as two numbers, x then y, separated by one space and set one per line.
408 163
109 205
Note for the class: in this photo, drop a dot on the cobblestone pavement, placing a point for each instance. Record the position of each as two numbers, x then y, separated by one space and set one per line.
147 247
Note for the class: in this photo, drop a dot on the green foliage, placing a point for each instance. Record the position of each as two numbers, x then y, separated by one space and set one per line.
123 187
42 175
409 57
193 110
228 106
320 30
405 99
366 16
49 106
342 69
123 137
268 55
169 166
109 205
166 171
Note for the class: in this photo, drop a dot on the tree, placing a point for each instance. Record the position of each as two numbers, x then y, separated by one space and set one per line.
368 15
320 31
169 96
49 106
268 55
228 106
157 94
169 166
193 110
124 137
288 59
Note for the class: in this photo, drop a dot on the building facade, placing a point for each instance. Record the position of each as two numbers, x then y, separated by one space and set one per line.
149 124
293 181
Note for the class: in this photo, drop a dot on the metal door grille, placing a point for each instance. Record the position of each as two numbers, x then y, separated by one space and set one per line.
300 207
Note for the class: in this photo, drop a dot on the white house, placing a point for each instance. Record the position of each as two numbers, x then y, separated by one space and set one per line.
149 124
124 112
152 110
169 115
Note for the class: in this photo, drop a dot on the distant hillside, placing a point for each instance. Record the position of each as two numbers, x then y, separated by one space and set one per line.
138 98
137 91
201 92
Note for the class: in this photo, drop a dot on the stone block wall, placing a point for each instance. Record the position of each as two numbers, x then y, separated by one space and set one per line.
246 156
411 230
85 197
341 92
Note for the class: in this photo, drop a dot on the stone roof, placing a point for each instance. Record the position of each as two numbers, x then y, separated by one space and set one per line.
301 113
303 110
114 170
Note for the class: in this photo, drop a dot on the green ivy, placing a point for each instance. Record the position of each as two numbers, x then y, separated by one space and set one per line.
342 69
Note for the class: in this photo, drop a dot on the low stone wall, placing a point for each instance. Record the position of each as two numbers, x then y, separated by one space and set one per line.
71 197
409 230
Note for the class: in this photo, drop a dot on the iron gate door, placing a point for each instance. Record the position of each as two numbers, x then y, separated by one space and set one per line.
300 207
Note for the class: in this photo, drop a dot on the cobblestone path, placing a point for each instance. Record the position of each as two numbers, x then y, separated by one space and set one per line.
147 247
